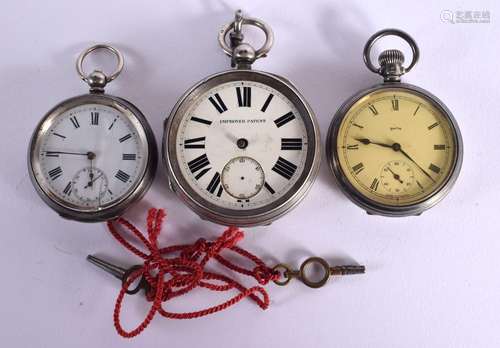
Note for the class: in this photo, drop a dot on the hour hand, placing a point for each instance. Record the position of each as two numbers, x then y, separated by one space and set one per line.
368 141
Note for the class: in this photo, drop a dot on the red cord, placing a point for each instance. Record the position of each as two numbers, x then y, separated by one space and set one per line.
185 270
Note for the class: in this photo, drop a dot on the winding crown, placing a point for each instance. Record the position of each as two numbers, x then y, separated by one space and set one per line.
391 64
391 57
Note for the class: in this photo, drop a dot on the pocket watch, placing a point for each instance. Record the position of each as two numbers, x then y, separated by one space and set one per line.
93 155
241 147
395 148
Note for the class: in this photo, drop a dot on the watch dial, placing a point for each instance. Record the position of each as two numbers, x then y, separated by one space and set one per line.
242 145
90 157
396 147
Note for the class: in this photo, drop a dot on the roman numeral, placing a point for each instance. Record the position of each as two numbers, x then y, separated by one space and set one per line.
94 118
214 184
284 168
269 188
374 185
74 120
395 104
416 110
198 163
373 109
195 143
284 119
420 185
433 125
357 125
125 137
267 102
59 135
246 98
440 147
434 168
201 173
55 173
358 168
129 156
201 120
291 144
352 147
219 104
122 176
112 124
67 189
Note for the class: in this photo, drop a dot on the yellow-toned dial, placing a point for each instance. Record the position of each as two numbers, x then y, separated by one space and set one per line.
396 147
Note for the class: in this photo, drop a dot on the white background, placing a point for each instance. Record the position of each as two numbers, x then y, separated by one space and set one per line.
431 281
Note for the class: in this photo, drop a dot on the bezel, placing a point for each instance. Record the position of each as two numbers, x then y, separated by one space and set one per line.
252 217
117 208
371 206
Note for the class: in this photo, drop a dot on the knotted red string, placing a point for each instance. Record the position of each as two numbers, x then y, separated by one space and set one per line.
178 274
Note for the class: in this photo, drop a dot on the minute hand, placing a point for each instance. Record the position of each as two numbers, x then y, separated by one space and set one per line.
411 159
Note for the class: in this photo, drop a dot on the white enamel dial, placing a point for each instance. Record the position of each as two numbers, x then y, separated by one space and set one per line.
91 157
235 120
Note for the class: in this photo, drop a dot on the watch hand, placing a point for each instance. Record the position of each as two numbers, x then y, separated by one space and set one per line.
411 159
93 180
368 141
396 176
90 156
67 153
230 136
396 147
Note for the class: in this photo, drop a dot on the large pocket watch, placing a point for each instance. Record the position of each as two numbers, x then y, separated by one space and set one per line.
93 155
241 147
395 148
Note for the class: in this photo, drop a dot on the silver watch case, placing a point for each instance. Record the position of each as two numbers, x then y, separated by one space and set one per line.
116 209
370 206
260 216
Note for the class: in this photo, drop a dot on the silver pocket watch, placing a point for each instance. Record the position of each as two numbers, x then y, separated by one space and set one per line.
394 148
93 155
242 147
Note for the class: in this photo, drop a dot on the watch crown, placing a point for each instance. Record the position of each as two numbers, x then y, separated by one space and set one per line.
391 64
391 57
244 55
97 80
